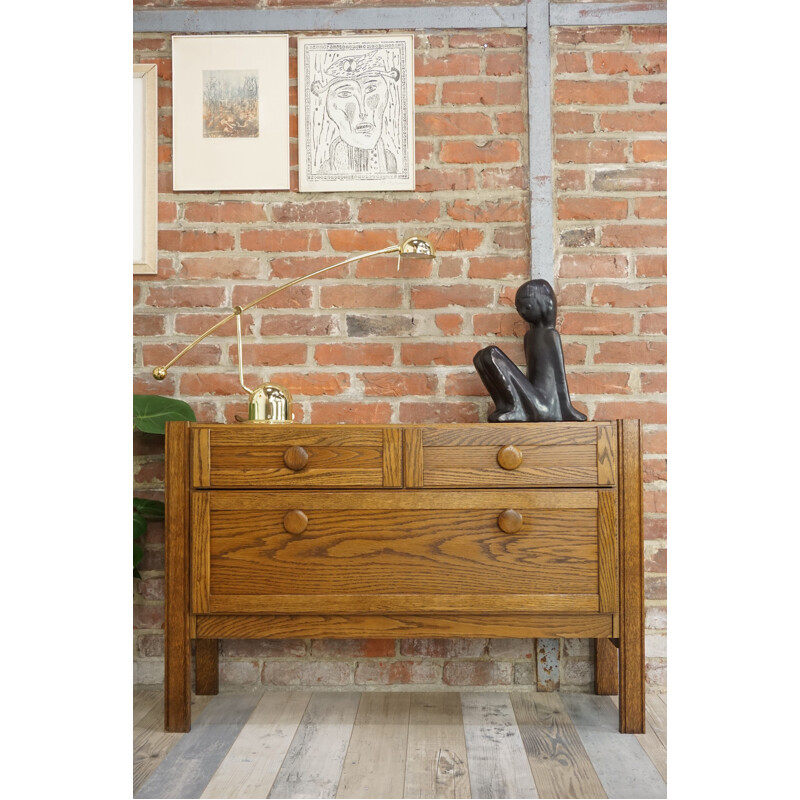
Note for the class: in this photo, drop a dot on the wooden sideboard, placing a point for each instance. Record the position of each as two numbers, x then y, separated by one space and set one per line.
460 530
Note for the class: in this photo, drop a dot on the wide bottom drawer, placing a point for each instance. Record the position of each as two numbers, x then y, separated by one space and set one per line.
401 551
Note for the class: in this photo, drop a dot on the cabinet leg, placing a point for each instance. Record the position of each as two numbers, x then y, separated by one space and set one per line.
606 675
206 666
631 582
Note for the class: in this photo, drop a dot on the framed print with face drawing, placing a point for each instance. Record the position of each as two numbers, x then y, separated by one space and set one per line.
356 113
230 97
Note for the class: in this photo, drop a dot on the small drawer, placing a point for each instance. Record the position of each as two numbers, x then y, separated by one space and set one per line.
295 456
505 455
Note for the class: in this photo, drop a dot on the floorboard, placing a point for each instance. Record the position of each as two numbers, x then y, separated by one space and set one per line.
393 744
498 764
624 768
315 759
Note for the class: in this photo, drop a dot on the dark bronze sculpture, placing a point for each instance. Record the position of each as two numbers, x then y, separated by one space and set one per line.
543 395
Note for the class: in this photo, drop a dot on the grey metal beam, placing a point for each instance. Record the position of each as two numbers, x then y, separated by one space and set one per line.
267 20
540 148
608 14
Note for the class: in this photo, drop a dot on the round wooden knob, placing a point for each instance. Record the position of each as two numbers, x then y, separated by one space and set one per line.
295 458
509 457
510 521
295 521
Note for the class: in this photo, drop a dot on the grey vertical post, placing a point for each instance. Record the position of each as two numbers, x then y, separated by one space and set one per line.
540 146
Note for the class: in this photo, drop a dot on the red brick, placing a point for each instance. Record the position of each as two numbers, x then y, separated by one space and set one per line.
450 267
650 207
634 121
655 528
298 325
633 63
148 325
428 412
423 354
573 122
630 179
331 412
570 62
186 296
387 267
154 355
281 240
499 324
361 296
382 673
631 352
591 151
648 34
648 412
511 122
595 93
443 296
353 648
501 178
424 94
225 211
592 208
398 211
624 296
647 150
194 241
321 212
592 266
442 180
426 66
468 152
360 353
508 238
294 297
570 180
221 267
499 64
650 92
449 324
599 383
397 384
486 39
498 267
656 560
654 324
263 648
651 266
571 294
477 673
655 502
464 384
167 212
458 239
654 469
148 616
444 648
653 382
489 93
351 241
154 43
268 355
594 323
489 211
312 384
298 266
634 236
306 673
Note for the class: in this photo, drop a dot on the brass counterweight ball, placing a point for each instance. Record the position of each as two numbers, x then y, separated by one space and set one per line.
159 373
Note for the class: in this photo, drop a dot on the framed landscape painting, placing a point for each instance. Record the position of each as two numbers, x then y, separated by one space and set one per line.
230 112
356 113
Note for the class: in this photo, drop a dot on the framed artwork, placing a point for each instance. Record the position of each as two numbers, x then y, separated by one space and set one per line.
230 112
356 113
145 170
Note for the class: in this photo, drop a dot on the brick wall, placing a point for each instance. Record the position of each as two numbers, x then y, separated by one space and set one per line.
364 345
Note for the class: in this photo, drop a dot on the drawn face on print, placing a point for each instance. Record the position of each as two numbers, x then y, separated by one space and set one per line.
356 105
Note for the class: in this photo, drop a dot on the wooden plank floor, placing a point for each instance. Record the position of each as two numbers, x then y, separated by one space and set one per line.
398 744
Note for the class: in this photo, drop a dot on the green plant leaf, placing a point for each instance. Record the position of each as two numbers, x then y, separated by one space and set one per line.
139 525
152 412
152 509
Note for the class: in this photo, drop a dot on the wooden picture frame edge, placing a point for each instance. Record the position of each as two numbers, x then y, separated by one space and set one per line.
149 264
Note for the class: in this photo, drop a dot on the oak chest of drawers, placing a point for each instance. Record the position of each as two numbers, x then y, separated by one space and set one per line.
465 530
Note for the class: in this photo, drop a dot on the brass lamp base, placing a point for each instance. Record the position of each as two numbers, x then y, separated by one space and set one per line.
268 403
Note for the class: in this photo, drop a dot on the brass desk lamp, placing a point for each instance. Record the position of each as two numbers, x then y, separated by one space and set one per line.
269 402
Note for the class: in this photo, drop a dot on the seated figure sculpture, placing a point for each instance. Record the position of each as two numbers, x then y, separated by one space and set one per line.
543 395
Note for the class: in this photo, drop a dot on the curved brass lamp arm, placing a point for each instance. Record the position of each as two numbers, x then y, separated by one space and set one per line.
159 373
